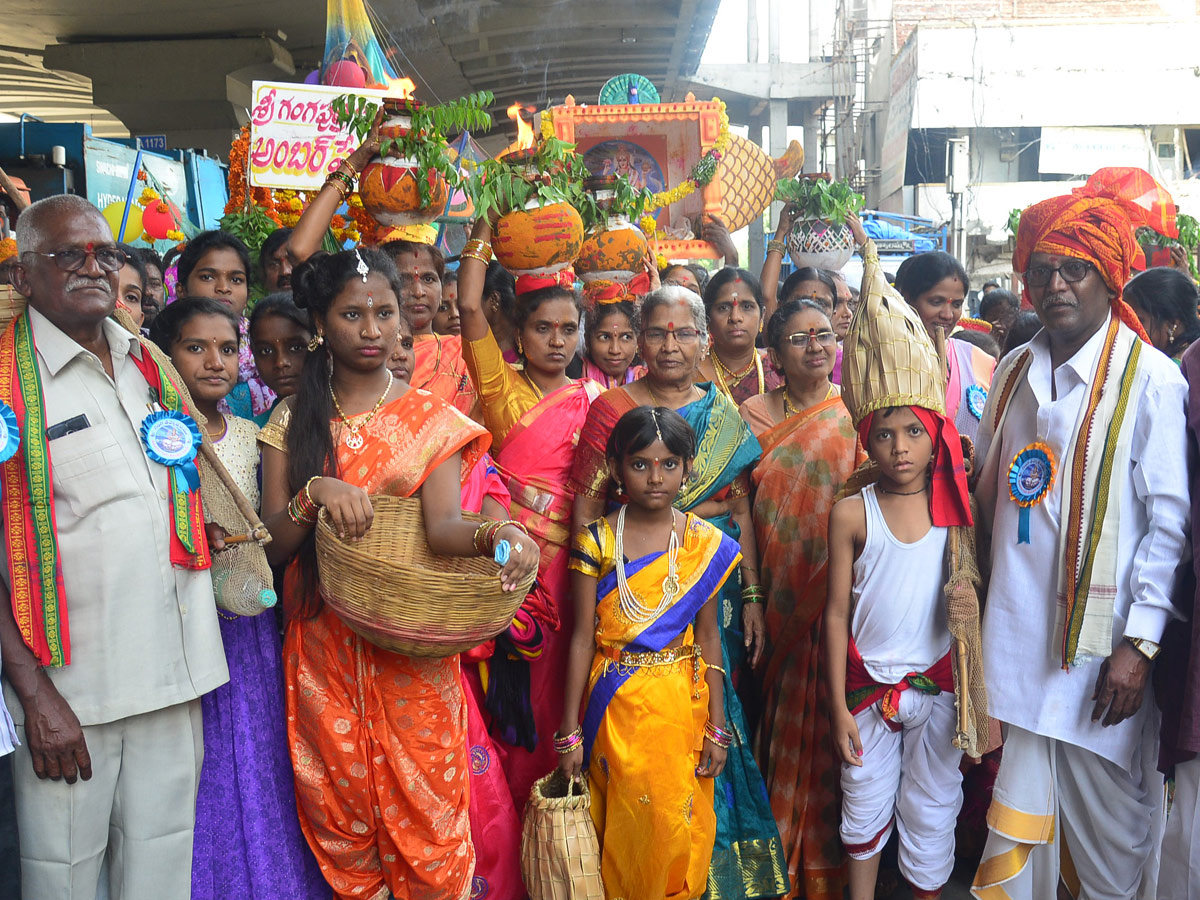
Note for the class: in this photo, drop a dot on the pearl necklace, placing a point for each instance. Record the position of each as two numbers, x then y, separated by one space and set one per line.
628 602
353 439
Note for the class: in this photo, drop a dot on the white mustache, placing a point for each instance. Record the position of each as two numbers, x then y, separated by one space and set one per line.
83 281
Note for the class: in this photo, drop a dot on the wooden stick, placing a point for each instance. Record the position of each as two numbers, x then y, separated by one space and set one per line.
14 192
257 529
239 538
960 647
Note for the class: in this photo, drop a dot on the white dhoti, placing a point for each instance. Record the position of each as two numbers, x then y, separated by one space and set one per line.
909 779
1110 820
133 820
1179 874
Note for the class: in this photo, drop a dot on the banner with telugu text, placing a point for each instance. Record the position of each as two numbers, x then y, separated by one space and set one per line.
295 140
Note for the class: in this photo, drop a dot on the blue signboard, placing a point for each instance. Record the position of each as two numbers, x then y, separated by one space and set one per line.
153 141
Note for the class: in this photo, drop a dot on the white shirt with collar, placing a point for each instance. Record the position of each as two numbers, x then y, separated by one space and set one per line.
143 634
1022 656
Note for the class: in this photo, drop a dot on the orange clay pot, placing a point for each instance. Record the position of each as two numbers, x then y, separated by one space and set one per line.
538 240
613 252
388 188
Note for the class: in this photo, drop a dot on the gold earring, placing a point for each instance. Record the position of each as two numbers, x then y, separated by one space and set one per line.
316 342
520 348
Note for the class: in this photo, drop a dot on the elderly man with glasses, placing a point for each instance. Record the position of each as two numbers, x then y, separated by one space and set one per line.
1083 487
108 629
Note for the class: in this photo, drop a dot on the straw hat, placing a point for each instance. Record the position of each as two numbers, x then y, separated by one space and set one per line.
888 358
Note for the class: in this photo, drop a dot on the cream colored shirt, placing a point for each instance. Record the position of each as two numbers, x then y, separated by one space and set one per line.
143 634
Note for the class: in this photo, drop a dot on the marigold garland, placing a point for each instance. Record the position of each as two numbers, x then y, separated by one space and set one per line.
8 248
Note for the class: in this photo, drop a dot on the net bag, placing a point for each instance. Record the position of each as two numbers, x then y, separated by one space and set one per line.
241 576
815 243
560 853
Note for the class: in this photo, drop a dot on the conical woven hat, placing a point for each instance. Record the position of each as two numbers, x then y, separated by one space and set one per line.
888 358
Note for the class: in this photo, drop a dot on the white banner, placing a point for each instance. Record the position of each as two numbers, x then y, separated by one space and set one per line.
1081 151
295 140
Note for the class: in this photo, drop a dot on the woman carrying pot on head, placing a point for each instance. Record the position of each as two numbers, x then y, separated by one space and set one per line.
672 336
734 306
382 793
437 364
534 413
810 449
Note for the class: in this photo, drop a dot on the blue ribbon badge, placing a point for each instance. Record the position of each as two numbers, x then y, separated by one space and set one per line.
10 432
1030 478
173 439
976 400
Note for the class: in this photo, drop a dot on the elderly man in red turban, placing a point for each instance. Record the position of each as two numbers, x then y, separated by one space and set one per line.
1083 488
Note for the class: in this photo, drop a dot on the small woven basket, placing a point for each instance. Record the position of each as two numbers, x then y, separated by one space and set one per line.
12 305
560 853
395 592
820 245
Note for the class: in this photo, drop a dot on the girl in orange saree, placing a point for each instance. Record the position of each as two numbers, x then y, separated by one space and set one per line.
534 413
807 456
378 739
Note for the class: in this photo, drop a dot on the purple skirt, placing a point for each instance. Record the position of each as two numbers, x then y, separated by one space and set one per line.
248 841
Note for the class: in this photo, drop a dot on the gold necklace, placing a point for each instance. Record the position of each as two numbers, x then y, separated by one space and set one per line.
353 439
734 379
536 390
789 408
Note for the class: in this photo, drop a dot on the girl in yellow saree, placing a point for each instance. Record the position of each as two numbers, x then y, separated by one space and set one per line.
653 733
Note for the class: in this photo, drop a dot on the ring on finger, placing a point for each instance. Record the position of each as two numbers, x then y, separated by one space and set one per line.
518 547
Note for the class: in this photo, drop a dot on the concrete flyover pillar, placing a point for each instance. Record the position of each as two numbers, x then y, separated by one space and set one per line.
197 92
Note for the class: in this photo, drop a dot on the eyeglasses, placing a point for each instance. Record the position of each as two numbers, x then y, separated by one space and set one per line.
110 259
1072 271
681 335
801 338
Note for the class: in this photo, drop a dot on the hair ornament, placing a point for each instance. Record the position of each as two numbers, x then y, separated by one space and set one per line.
363 269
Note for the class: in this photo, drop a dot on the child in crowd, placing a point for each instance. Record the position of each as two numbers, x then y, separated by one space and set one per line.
886 631
887 636
217 265
247 840
279 338
653 734
445 320
611 345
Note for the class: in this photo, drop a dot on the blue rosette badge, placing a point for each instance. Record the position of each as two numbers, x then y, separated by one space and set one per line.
173 439
976 400
10 432
1030 478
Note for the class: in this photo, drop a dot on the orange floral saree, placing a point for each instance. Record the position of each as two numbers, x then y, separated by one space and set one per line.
379 740
438 367
806 460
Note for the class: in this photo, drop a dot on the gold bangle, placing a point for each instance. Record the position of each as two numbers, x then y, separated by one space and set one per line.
776 244
349 165
337 185
475 245
468 254
307 492
713 668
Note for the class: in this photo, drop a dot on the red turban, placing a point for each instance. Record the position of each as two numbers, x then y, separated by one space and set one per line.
563 279
1097 222
949 499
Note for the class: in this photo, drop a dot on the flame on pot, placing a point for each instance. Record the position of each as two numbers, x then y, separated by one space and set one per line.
524 129
400 88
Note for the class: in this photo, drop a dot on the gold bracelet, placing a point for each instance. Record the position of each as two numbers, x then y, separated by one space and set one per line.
475 245
307 492
776 244
349 165
469 254
713 668
337 185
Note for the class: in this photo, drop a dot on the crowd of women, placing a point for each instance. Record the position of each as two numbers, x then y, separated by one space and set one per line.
710 407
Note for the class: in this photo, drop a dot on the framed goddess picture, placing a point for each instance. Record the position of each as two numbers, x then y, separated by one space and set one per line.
655 146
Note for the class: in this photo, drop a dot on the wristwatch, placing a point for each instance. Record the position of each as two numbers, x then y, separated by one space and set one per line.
1148 649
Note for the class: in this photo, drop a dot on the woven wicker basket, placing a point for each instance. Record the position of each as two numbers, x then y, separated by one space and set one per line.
560 853
12 305
395 592
817 244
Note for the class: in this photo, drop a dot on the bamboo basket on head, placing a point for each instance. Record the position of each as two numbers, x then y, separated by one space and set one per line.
391 589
